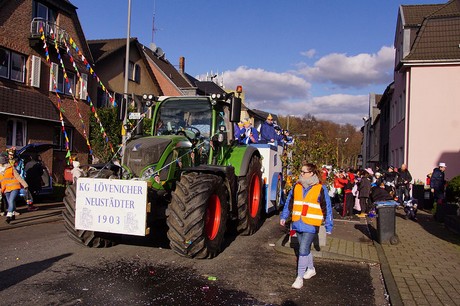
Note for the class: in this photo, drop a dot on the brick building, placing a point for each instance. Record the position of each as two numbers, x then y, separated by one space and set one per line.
30 91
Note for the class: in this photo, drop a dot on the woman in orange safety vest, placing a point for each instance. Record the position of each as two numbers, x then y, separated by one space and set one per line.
311 207
11 183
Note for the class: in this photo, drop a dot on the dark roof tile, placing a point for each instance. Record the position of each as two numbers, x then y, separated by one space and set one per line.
27 103
168 69
415 14
101 48
439 36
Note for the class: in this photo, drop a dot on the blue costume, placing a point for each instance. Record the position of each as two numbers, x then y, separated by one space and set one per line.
247 132
268 132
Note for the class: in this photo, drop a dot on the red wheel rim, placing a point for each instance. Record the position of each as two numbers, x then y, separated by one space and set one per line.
254 196
213 217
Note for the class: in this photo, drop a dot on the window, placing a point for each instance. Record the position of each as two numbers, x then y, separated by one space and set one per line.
42 11
59 138
4 63
137 73
69 88
134 71
16 133
62 86
12 65
131 71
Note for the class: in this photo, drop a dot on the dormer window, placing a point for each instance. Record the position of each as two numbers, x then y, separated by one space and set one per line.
40 10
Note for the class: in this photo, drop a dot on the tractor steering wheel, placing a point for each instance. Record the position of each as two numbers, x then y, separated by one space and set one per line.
190 132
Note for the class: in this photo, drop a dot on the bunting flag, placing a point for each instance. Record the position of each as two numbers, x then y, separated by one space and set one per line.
90 70
74 99
58 98
59 102
93 109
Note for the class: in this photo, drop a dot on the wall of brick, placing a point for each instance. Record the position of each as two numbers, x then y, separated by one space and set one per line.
15 25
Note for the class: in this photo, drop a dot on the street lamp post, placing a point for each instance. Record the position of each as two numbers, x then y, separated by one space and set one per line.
287 125
125 89
337 152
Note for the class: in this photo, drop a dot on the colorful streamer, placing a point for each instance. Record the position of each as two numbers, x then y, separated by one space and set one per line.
54 80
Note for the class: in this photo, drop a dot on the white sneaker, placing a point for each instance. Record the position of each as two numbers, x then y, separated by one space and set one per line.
309 273
298 283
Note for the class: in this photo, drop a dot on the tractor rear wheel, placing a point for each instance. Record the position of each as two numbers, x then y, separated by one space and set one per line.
250 198
197 215
88 238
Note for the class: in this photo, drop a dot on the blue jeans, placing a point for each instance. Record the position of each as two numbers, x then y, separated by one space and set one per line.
11 199
305 241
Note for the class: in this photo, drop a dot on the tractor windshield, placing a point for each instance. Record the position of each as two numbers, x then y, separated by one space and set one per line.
192 117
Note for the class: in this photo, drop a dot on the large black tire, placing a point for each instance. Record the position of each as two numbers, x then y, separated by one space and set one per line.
88 238
197 215
250 198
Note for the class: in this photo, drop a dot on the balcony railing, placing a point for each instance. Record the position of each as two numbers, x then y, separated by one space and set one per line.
49 29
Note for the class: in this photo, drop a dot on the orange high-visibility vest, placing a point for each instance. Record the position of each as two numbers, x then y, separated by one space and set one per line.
307 209
8 181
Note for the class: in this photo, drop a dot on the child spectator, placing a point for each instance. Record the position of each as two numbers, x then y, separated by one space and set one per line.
410 208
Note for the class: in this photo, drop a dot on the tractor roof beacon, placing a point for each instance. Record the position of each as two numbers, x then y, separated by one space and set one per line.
190 172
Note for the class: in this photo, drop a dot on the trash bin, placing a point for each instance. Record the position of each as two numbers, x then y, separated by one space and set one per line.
386 222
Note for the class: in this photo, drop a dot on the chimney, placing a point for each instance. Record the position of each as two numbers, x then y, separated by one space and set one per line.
182 64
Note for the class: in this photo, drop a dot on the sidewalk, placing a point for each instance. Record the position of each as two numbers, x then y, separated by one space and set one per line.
425 265
47 212
423 269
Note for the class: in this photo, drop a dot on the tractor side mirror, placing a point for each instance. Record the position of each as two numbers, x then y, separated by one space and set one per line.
235 112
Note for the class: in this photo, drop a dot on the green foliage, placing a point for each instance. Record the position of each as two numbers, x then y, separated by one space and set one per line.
147 127
453 190
111 126
321 142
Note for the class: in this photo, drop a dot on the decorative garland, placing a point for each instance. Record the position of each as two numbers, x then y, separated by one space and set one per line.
61 110
70 89
61 117
93 109
90 70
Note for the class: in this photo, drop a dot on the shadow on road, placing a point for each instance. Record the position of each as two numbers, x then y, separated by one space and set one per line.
18 274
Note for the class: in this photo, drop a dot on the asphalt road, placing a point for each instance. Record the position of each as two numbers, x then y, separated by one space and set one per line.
42 266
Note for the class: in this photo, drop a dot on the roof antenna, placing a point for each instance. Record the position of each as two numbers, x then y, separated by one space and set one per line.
153 19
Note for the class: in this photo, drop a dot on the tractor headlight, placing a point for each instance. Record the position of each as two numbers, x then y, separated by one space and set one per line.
125 174
148 173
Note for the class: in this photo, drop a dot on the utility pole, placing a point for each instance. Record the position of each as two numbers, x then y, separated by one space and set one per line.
125 89
337 153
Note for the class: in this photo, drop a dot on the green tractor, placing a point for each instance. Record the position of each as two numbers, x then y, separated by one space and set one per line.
196 176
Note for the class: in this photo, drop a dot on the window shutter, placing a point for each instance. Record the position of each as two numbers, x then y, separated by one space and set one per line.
84 86
36 69
53 80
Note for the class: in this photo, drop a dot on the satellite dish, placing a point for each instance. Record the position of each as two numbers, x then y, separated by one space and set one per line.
160 53
153 47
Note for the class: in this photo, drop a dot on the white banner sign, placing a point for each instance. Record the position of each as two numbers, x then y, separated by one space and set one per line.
111 206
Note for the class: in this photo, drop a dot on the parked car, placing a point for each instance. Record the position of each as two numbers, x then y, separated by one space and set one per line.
37 174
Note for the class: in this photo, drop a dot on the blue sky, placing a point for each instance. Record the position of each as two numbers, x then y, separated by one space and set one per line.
292 57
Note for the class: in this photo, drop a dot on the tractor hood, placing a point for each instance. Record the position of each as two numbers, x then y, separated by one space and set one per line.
145 151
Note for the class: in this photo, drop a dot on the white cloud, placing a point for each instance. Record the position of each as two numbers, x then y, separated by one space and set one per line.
262 85
352 71
309 53
339 108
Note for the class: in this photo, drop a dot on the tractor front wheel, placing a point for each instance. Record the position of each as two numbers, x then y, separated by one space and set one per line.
197 215
88 238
